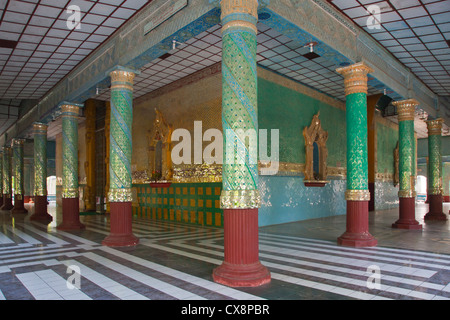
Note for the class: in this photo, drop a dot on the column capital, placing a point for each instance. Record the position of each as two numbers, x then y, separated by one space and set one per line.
434 126
70 110
122 77
39 128
242 14
355 77
18 141
406 109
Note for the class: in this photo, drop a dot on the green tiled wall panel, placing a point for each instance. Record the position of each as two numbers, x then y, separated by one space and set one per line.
192 203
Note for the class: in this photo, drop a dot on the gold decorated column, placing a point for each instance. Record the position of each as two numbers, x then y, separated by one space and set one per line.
407 165
240 198
434 179
357 193
89 164
107 147
18 169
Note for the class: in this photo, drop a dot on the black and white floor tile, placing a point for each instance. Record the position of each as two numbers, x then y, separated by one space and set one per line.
174 261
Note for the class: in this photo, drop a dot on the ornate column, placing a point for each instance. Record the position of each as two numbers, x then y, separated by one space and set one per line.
70 193
1 176
89 164
40 173
357 194
407 165
18 170
120 196
240 197
7 179
435 190
107 151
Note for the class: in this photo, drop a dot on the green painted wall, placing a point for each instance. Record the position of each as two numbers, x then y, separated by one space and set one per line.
387 138
291 111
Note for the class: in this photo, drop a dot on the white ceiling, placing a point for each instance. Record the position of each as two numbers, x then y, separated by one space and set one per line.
47 50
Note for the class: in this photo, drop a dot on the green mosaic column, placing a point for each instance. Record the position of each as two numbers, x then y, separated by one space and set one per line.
40 159
18 169
70 195
435 190
407 165
239 109
70 114
40 173
240 197
1 177
7 179
120 178
357 194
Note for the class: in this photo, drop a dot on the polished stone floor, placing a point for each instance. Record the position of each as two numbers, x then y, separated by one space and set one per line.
175 261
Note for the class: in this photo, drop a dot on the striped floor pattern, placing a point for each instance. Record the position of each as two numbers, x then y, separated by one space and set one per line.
176 262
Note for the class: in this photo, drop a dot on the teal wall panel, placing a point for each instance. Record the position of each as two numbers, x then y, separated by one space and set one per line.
291 111
386 195
286 199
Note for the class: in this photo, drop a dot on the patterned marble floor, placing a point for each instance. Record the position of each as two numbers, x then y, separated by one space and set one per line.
173 261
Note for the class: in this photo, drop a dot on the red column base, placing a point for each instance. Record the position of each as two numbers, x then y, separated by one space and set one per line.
19 207
407 215
241 266
121 234
70 215
40 210
435 210
357 233
7 202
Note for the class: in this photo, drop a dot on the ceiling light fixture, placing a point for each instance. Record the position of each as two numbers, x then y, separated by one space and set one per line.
311 54
174 44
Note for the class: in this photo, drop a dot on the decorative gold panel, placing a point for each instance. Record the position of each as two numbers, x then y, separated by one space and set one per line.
315 133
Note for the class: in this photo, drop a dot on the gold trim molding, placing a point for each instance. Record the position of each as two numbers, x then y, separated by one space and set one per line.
406 109
315 134
406 193
239 6
122 79
68 108
240 199
39 128
249 7
355 77
434 126
357 195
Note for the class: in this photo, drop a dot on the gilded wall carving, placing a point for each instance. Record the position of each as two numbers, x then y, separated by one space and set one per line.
315 134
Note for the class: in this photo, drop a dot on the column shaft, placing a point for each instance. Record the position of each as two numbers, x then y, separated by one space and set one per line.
7 179
407 164
18 169
240 196
357 194
1 177
89 164
40 173
435 190
70 194
120 196
107 151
